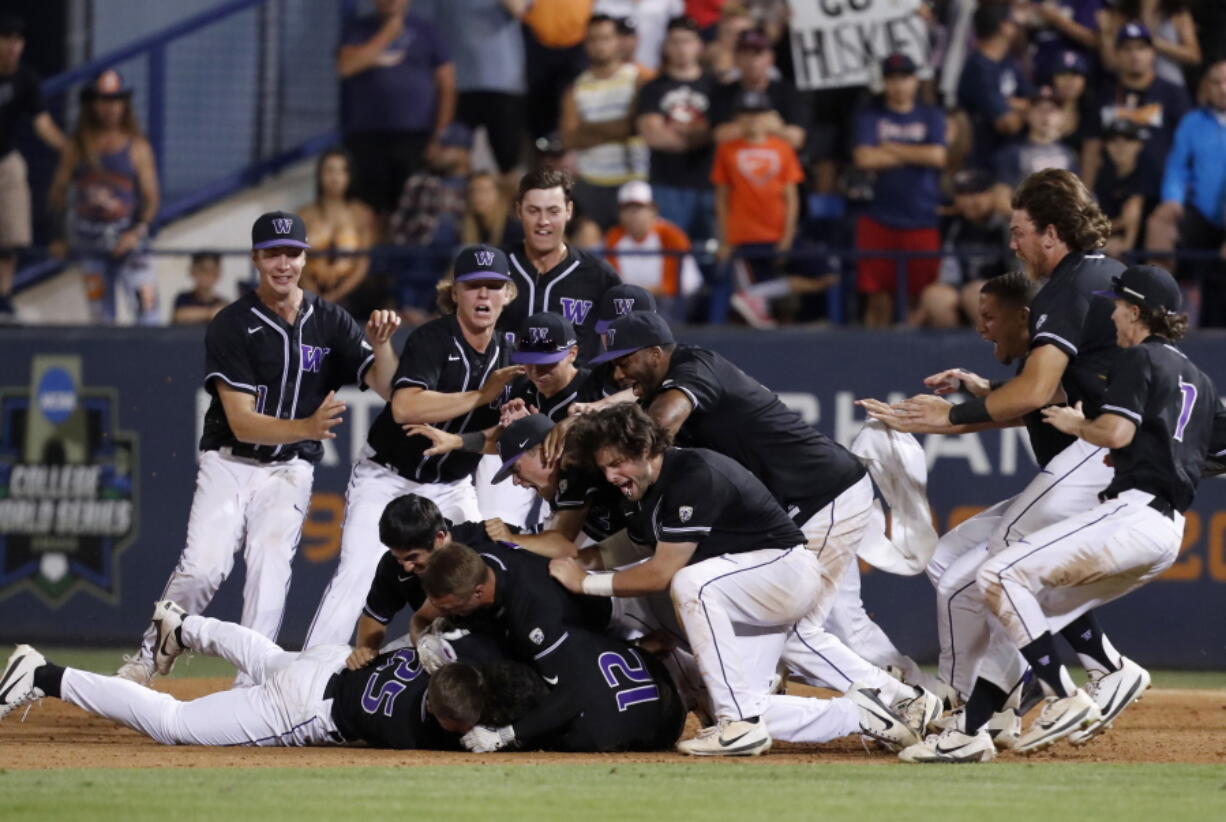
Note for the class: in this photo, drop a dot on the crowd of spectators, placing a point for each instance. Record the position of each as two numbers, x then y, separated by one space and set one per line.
703 172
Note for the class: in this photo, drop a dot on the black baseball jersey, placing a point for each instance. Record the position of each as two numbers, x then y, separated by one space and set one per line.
289 369
1067 314
436 357
1173 404
610 696
572 288
393 587
579 486
736 415
1045 440
1215 462
706 497
587 386
384 704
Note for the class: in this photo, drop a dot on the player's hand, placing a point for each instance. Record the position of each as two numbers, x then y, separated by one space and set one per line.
433 651
569 572
512 410
952 380
498 531
360 658
884 413
326 417
1066 419
576 409
444 441
554 445
484 739
924 409
497 381
381 326
125 242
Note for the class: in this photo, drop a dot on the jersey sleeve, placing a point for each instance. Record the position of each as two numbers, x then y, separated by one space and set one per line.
864 132
226 357
1062 325
355 356
697 381
385 598
690 506
576 487
1128 385
421 362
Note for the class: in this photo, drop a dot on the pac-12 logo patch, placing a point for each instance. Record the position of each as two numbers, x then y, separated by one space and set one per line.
685 512
537 636
1039 324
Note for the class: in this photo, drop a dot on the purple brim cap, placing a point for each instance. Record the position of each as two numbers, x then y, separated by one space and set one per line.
482 275
276 243
539 357
504 470
603 325
1106 293
609 356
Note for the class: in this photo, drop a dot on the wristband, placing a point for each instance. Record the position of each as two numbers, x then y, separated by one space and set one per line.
970 412
473 441
599 585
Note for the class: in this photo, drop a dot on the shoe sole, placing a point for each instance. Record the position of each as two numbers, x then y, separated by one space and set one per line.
1054 736
11 676
981 756
1096 729
755 749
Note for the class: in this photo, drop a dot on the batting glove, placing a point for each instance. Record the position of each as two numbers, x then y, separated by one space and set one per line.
484 739
434 652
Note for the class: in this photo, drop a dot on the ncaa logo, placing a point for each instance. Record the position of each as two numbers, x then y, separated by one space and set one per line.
485 258
57 395
282 225
538 335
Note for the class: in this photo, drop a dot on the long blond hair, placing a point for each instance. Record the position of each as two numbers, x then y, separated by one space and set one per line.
470 225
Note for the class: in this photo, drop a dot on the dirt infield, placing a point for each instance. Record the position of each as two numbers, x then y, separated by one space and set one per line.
1166 726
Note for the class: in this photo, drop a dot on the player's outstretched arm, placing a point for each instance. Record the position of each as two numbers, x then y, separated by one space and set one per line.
953 380
379 330
252 427
671 409
648 577
898 419
550 543
411 404
1107 430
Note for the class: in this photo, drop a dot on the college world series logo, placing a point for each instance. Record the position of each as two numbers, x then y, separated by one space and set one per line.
68 485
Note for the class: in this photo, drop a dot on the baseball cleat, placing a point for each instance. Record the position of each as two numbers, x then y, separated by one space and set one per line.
136 668
1060 717
951 745
1112 693
167 620
1005 729
920 711
738 737
754 310
878 720
17 683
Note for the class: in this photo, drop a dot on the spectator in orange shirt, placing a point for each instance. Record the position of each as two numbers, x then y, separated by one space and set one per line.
756 206
671 277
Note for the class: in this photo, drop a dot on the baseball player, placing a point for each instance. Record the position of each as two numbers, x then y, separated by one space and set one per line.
1156 419
273 360
296 699
706 401
550 274
454 374
730 556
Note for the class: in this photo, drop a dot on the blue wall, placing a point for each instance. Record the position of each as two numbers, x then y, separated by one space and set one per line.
100 586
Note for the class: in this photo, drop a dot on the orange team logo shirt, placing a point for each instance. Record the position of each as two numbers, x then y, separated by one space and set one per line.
757 176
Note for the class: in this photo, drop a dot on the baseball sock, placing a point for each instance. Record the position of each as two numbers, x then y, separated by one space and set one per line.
47 678
1041 654
1093 648
986 699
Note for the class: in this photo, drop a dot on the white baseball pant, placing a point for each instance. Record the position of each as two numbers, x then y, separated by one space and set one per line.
521 507
240 504
285 706
1090 559
371 488
770 589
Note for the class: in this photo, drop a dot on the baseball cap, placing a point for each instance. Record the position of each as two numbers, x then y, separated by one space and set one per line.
279 228
1071 62
626 26
635 191
620 300
1123 127
517 439
753 40
972 181
1134 31
1147 286
481 262
456 135
750 101
897 63
106 86
544 338
635 331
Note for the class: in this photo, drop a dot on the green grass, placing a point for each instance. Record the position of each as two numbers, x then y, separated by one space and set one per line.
708 791
106 660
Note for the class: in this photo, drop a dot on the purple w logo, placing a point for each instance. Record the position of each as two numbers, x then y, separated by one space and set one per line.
538 335
282 225
623 305
313 357
575 310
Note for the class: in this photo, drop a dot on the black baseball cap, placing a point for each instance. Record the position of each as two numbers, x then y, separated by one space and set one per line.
619 301
897 64
635 331
753 40
1148 286
517 439
544 338
972 181
279 228
1071 62
751 101
1134 31
481 262
1123 127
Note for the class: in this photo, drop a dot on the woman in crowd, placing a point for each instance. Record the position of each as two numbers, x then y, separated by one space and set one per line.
336 223
487 215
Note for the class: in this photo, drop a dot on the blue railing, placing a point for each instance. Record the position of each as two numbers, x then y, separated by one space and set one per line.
249 86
